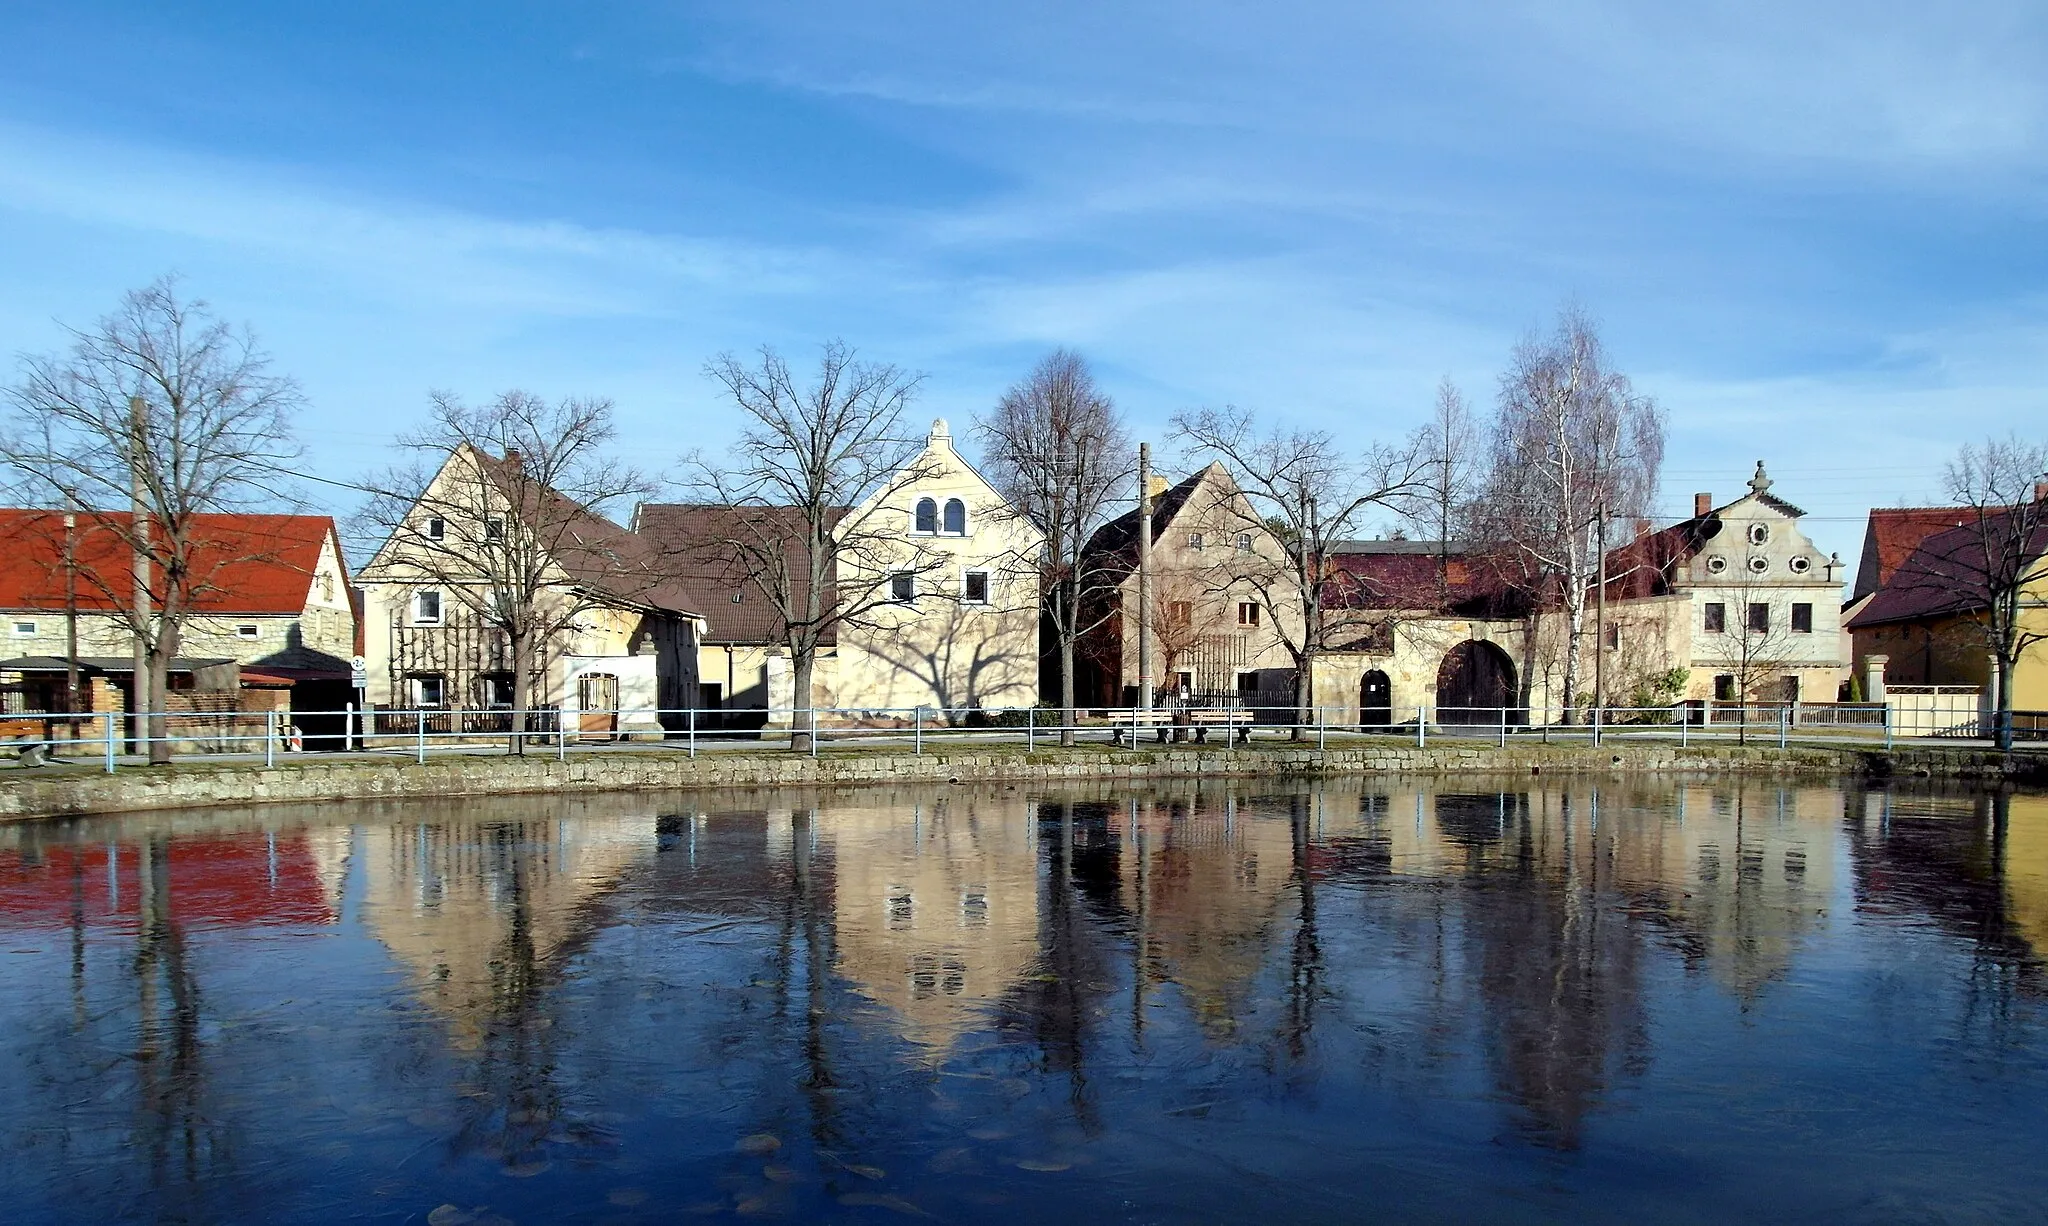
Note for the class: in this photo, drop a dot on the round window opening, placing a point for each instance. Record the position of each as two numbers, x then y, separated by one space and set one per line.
1716 565
1800 565
1759 565
1759 534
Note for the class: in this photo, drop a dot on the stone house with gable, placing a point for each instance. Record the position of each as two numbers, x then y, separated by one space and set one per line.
622 641
946 573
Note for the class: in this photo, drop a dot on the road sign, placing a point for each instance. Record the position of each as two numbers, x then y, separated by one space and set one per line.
358 672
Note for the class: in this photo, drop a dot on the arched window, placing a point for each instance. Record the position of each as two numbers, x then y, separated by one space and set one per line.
927 516
956 517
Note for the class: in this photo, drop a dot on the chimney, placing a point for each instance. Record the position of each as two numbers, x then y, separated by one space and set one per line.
2041 491
513 459
1702 505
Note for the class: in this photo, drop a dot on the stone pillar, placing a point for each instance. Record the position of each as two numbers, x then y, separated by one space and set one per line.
1873 677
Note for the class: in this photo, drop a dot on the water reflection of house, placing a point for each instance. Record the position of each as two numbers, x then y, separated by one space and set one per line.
1973 863
474 909
229 879
1206 880
1734 874
935 909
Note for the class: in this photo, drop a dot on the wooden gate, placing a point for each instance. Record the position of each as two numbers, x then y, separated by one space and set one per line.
597 700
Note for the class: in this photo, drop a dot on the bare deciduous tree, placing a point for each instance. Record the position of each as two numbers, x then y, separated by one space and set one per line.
1574 447
165 409
503 510
1056 450
2000 556
824 463
1305 493
1449 444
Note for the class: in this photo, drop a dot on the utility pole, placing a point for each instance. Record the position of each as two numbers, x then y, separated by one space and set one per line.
138 439
1600 613
71 620
1145 578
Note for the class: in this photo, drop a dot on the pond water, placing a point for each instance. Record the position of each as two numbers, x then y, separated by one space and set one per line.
1539 1001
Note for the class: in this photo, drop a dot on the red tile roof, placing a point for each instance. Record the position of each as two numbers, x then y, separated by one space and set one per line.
1947 574
1892 536
250 564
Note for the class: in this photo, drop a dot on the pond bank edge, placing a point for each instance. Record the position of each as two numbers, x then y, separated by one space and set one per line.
311 779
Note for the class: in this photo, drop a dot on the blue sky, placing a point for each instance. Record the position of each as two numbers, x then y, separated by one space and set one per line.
1813 231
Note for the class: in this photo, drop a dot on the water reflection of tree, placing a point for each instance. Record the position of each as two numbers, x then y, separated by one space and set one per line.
1560 972
1948 857
1061 1004
175 1131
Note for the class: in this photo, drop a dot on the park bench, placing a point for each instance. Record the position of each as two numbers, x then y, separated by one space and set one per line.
1130 720
1238 721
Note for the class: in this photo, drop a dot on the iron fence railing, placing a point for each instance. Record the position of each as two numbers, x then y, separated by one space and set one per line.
419 733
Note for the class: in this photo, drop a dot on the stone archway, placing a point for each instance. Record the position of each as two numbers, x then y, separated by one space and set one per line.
1476 680
1375 700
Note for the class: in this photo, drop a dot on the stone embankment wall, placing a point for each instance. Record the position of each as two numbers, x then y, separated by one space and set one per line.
51 791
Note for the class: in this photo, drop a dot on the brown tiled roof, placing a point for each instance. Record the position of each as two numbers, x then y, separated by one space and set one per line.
1945 576
594 552
1892 536
695 542
1404 575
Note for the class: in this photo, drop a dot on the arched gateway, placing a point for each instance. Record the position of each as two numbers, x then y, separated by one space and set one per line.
1476 680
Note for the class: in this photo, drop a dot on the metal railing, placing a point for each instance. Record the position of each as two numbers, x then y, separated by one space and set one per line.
114 739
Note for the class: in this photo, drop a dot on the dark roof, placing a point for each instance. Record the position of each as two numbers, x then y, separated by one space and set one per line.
1426 548
1891 537
1946 576
1474 581
1117 541
255 565
696 544
597 554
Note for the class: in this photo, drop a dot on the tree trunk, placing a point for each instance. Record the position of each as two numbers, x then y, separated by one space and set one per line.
2001 715
1067 685
1575 625
159 725
1304 695
803 720
522 690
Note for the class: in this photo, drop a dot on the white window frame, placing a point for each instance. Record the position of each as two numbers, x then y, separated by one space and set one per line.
494 528
415 685
440 616
986 589
435 529
1248 614
909 580
966 521
1197 541
248 631
33 628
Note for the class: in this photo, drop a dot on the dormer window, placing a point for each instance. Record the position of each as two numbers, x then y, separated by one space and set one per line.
927 518
956 517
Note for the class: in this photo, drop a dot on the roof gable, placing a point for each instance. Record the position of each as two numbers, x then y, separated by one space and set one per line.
259 565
